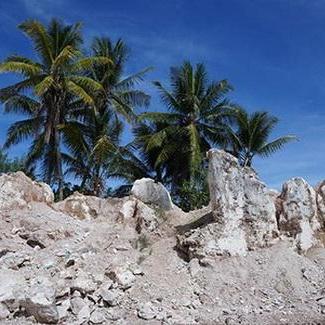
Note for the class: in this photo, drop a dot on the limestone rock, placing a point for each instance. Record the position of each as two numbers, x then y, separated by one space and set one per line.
111 297
63 309
17 191
115 262
40 303
320 192
298 215
81 206
84 283
148 191
243 212
125 279
4 311
147 311
77 304
98 316
12 284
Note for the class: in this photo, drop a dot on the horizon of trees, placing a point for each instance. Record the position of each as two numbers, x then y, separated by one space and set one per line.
76 104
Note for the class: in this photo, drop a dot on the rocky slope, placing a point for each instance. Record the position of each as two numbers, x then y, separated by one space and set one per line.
253 256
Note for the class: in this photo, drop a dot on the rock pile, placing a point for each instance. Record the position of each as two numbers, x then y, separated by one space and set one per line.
87 260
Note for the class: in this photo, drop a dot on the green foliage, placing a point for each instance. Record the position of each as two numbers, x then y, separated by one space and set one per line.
193 195
93 134
250 136
175 142
47 89
75 107
8 165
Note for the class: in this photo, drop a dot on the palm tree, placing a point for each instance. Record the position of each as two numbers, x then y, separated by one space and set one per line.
49 85
92 144
251 136
178 139
120 95
93 136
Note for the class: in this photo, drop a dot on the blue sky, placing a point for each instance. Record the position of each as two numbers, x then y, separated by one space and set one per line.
271 51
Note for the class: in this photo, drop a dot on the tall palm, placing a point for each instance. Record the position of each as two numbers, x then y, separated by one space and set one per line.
251 136
92 144
120 95
47 86
197 109
101 127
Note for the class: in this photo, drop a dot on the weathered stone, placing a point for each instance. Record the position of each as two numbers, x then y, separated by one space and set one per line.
80 206
147 311
298 213
149 191
77 304
320 192
111 297
4 311
98 316
80 258
84 283
12 284
147 218
243 212
124 278
17 191
63 309
194 267
84 314
40 303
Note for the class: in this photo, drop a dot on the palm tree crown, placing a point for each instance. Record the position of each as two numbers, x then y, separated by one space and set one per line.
52 83
93 134
180 137
251 136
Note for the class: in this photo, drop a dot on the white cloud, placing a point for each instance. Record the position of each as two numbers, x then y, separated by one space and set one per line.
41 8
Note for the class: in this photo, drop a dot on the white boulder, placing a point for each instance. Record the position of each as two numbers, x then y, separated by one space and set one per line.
17 191
298 215
151 192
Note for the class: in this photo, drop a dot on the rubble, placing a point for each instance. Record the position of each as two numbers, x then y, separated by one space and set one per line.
87 260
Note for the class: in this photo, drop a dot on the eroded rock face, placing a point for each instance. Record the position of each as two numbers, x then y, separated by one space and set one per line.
298 213
320 193
148 191
116 210
243 208
17 191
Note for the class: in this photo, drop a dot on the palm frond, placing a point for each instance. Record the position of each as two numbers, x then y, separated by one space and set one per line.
275 145
38 34
22 130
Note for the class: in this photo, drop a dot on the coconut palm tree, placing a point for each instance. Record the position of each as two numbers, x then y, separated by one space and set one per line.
92 144
93 135
48 86
179 138
120 95
250 137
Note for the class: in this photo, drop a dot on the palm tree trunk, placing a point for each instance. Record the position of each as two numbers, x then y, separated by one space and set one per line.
58 110
59 166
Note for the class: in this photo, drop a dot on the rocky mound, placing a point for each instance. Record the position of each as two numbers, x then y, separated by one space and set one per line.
252 256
